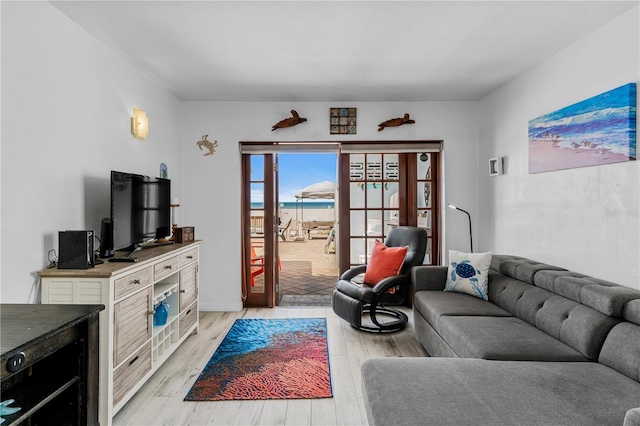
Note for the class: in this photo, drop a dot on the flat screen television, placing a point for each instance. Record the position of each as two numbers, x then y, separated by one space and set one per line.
140 209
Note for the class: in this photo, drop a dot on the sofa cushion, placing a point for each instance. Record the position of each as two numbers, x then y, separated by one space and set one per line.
468 273
505 291
601 295
502 338
576 325
631 311
621 350
442 391
519 268
433 304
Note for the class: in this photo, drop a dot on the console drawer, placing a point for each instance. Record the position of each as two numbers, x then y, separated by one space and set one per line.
188 257
132 282
129 373
165 268
188 318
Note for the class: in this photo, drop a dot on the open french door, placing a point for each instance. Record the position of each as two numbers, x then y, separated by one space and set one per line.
381 184
260 286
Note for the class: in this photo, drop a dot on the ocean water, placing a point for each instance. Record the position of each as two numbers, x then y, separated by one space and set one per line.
292 205
607 120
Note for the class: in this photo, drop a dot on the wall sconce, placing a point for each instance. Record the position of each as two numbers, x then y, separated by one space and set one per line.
139 124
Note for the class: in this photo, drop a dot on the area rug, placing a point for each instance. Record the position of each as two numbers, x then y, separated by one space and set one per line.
268 359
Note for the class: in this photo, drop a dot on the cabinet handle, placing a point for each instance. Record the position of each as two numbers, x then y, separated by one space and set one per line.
151 312
136 281
183 291
188 312
167 267
134 360
189 257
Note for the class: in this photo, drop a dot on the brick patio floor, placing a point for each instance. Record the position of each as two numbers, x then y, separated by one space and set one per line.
308 274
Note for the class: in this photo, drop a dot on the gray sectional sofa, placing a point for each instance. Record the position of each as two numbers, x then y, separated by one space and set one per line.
549 347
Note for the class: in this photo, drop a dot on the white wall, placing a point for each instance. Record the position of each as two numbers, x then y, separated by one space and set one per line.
211 194
585 219
66 108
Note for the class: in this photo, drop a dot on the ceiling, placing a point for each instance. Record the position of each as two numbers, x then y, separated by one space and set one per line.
353 51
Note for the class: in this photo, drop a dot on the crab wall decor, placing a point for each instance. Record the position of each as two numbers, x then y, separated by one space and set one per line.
210 146
289 122
395 122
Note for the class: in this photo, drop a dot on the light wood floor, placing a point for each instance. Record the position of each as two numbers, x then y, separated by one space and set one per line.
160 400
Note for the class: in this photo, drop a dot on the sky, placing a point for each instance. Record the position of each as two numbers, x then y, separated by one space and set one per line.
297 171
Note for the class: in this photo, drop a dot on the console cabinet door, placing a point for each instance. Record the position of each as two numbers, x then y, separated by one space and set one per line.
133 319
188 286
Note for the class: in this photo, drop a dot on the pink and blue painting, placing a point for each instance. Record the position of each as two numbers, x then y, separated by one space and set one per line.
599 130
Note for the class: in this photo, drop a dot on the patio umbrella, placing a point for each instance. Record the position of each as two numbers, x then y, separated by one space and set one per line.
319 190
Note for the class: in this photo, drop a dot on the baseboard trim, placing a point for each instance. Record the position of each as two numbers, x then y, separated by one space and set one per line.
215 307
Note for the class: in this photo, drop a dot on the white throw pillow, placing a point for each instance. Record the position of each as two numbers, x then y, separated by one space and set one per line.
469 273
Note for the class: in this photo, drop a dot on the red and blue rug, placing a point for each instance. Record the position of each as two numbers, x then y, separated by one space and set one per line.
268 359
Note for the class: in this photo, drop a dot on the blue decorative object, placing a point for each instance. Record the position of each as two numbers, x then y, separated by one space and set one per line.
6 411
161 314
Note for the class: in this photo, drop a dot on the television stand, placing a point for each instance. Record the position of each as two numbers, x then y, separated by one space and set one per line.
132 348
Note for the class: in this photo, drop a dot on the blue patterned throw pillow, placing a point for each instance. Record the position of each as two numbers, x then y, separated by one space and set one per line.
469 273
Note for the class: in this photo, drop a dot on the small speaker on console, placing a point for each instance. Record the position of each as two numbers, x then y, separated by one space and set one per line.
106 238
75 250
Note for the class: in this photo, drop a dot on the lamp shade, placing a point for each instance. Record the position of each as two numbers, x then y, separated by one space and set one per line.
139 124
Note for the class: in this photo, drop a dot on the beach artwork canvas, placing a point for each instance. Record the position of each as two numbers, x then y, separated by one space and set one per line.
598 130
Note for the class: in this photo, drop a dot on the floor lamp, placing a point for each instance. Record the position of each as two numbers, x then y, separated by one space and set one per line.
470 233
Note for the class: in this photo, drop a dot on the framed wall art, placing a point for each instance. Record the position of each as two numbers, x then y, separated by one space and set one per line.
343 121
598 130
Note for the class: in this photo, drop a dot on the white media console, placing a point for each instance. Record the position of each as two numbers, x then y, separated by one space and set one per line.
132 348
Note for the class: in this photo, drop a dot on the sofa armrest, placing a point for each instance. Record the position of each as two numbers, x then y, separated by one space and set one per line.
430 278
632 418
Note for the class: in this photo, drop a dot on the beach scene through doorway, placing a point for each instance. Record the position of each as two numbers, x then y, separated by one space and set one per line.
307 217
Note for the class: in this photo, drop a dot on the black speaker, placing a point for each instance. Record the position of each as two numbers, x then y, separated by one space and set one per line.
106 238
75 250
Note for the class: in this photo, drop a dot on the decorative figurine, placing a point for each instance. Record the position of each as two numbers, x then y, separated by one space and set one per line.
395 122
289 122
204 142
6 411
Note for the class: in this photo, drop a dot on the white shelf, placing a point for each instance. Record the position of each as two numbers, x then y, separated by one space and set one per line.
163 290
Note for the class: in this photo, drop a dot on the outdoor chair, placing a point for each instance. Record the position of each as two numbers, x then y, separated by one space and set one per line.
283 231
353 298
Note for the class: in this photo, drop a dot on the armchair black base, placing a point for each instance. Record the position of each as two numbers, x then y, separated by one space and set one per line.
354 310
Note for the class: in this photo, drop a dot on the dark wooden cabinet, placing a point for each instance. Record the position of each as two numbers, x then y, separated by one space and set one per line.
54 349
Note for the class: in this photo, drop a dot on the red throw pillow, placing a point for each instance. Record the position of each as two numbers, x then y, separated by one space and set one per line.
385 262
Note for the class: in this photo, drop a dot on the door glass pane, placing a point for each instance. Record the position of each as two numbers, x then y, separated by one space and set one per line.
374 195
374 223
424 219
356 167
257 266
357 222
374 167
424 195
257 168
391 199
357 253
424 166
391 167
428 255
356 195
